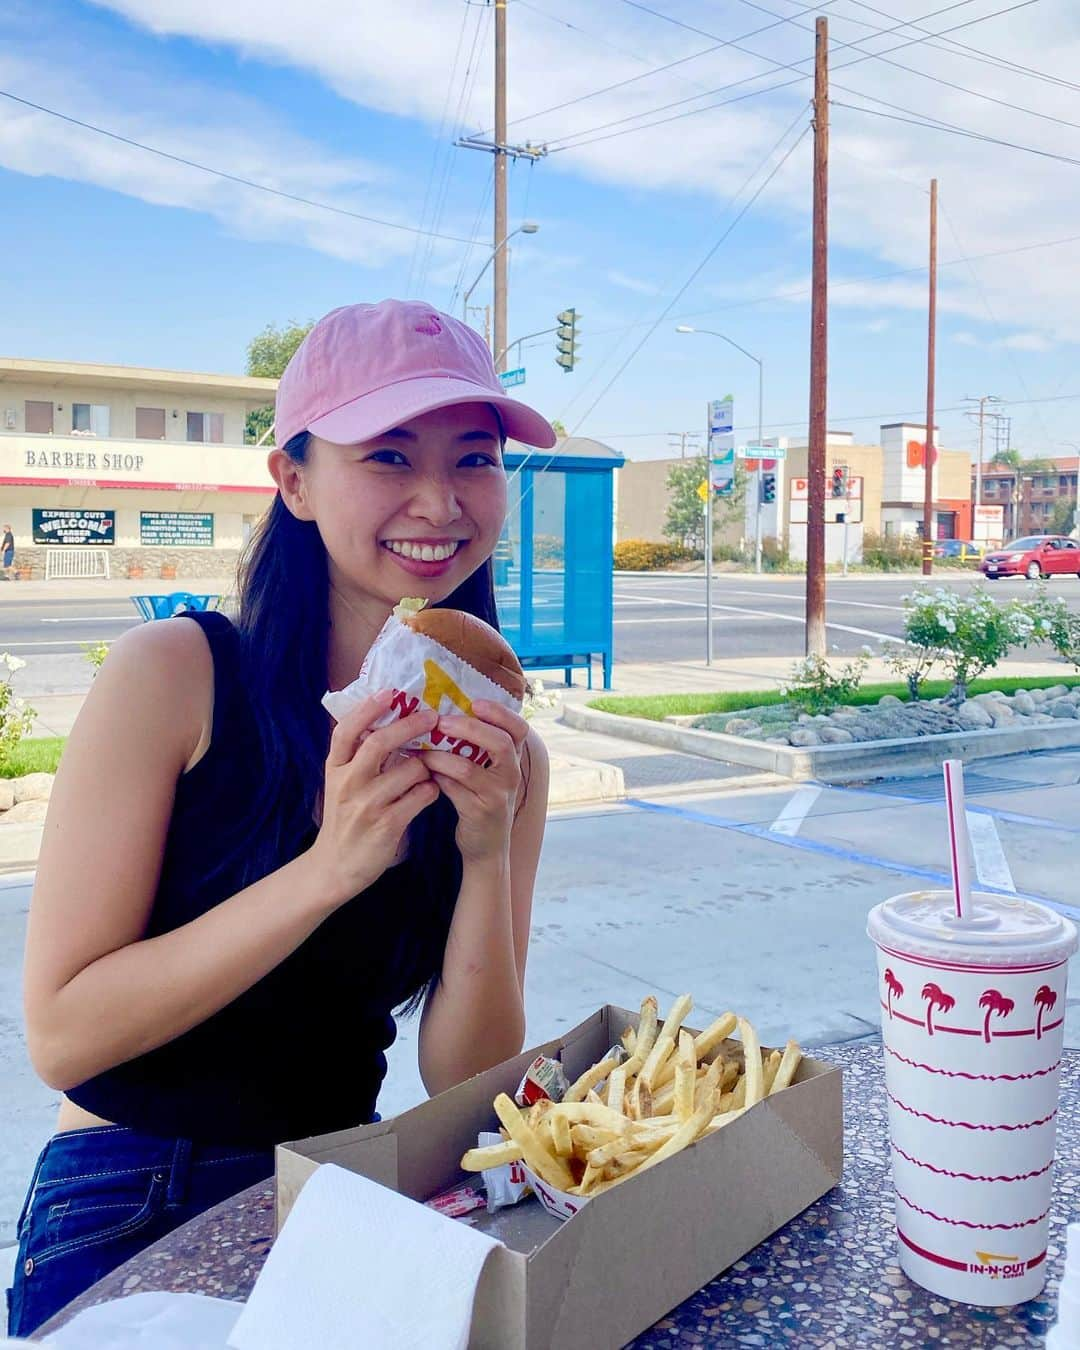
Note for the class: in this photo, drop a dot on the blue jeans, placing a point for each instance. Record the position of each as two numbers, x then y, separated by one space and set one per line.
100 1195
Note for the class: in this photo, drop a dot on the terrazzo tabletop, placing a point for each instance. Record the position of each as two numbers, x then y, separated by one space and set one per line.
829 1279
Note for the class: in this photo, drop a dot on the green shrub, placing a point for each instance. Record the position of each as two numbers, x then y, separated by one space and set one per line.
642 555
969 633
891 552
16 719
815 687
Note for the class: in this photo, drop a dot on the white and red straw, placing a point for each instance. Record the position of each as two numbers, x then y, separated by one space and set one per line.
959 839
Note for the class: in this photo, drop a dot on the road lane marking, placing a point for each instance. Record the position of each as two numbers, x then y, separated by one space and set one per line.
829 600
795 811
940 879
691 618
95 618
767 614
43 642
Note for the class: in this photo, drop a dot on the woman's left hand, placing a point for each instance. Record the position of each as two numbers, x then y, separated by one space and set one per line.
485 797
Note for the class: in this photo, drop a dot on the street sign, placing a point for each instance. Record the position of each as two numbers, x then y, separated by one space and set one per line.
509 378
761 452
703 491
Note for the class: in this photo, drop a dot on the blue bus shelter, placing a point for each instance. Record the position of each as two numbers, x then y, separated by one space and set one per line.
553 564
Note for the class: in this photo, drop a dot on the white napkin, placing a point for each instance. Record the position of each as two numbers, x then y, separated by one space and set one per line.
150 1321
357 1265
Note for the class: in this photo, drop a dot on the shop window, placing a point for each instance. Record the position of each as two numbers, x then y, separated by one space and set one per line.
90 419
150 424
206 427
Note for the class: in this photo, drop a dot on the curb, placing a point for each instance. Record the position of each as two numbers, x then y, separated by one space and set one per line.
574 781
902 758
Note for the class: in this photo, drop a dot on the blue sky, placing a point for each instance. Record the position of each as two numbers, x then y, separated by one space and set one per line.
117 255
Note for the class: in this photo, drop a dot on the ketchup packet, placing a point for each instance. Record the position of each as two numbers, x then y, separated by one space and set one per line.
457 1201
544 1078
505 1185
421 673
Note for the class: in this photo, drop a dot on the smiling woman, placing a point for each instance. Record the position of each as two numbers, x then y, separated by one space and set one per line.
283 886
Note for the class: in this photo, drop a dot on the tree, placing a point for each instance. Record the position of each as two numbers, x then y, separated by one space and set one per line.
1062 517
558 428
267 356
685 513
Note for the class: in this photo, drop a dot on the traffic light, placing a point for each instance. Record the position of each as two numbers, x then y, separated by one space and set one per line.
768 488
566 339
840 481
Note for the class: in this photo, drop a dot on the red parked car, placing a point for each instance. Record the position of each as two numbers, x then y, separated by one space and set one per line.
1039 555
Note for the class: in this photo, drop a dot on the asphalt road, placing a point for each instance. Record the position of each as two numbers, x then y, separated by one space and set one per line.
657 617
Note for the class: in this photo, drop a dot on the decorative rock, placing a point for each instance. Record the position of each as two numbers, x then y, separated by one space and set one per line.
25 813
7 794
1056 691
1002 713
1036 695
741 726
803 736
890 701
34 787
991 696
1063 708
777 738
835 736
973 716
1023 703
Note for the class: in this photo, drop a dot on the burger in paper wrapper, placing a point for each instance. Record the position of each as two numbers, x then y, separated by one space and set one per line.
436 658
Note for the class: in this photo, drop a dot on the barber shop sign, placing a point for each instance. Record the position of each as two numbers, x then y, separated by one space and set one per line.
54 525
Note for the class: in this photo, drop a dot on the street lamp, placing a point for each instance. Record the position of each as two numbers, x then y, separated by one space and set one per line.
526 227
710 332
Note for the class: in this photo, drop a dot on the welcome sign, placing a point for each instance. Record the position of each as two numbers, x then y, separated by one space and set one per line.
73 527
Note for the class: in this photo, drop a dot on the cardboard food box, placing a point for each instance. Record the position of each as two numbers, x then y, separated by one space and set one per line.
594 1281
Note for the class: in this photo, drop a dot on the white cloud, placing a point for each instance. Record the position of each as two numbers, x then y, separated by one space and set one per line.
876 325
629 283
397 59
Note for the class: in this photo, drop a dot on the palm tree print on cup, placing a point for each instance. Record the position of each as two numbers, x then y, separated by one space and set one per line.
994 1002
895 988
1045 998
936 998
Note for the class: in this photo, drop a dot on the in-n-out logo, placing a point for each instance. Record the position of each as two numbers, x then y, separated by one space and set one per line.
998 1267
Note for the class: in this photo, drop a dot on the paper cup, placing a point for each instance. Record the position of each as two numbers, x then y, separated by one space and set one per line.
972 1020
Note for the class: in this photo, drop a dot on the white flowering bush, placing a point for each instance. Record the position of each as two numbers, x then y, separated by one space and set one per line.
968 633
16 718
1053 622
815 687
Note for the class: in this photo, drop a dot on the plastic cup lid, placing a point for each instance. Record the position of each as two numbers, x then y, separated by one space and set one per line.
1001 931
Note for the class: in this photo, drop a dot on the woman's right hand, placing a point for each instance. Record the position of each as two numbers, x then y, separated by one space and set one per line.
371 795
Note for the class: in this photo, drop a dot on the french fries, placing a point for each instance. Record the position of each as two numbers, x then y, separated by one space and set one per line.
619 1119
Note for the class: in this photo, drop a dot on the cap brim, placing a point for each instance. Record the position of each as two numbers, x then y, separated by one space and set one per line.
372 414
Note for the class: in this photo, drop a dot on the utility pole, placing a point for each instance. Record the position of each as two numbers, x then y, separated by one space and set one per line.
502 152
681 437
982 401
928 448
500 181
819 359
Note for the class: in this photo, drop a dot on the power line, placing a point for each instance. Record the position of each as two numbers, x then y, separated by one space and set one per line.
715 248
837 418
777 65
230 177
936 124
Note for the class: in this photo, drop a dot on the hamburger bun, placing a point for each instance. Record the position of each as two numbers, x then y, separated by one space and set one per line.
474 641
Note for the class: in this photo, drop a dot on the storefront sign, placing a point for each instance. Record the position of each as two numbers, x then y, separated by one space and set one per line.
54 525
176 529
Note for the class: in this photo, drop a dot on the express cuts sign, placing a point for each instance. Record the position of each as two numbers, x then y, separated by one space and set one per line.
53 525
176 529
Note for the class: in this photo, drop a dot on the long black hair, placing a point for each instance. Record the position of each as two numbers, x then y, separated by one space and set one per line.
284 629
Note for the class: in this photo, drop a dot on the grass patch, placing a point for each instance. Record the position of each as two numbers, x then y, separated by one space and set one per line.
656 707
40 755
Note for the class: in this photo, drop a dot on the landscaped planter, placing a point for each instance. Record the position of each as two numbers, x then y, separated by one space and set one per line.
846 761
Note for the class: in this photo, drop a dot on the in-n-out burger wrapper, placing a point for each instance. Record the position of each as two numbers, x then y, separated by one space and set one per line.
422 673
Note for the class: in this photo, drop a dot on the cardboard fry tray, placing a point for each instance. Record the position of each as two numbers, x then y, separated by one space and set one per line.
633 1253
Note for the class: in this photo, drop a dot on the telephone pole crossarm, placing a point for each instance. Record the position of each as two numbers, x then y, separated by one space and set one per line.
526 151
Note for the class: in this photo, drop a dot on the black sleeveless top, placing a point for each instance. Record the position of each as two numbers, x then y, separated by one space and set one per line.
301 1052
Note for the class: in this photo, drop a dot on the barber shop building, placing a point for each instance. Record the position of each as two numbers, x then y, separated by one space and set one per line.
116 470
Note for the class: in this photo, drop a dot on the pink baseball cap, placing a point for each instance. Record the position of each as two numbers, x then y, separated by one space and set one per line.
366 368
